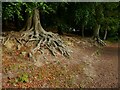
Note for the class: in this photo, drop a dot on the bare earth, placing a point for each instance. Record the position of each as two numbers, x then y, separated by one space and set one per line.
88 67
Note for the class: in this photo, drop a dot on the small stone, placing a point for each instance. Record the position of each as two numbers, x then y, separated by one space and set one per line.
19 47
24 53
38 64
14 84
10 74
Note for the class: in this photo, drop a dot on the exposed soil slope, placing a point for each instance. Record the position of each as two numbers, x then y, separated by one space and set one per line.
88 66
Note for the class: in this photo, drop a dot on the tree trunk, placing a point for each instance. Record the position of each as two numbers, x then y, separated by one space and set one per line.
96 31
82 30
33 22
105 35
96 35
36 22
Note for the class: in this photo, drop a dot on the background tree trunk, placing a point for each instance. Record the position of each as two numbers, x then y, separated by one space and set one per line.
96 35
105 35
96 30
82 30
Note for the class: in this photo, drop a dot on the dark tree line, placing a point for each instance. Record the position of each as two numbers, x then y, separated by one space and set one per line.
100 20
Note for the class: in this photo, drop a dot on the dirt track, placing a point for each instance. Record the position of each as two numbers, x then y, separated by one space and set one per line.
107 68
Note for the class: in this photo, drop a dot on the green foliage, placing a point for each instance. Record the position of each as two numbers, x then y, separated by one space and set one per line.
74 15
12 8
63 27
105 14
82 14
110 20
23 78
46 7
9 9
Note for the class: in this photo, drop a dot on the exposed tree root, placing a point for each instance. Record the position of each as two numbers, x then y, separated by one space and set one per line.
48 40
99 41
33 32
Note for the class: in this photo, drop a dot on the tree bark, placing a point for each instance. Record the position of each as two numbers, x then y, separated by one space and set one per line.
96 31
82 30
96 35
36 22
105 35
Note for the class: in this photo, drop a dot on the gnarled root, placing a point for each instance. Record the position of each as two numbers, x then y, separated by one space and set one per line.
33 32
99 41
48 40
